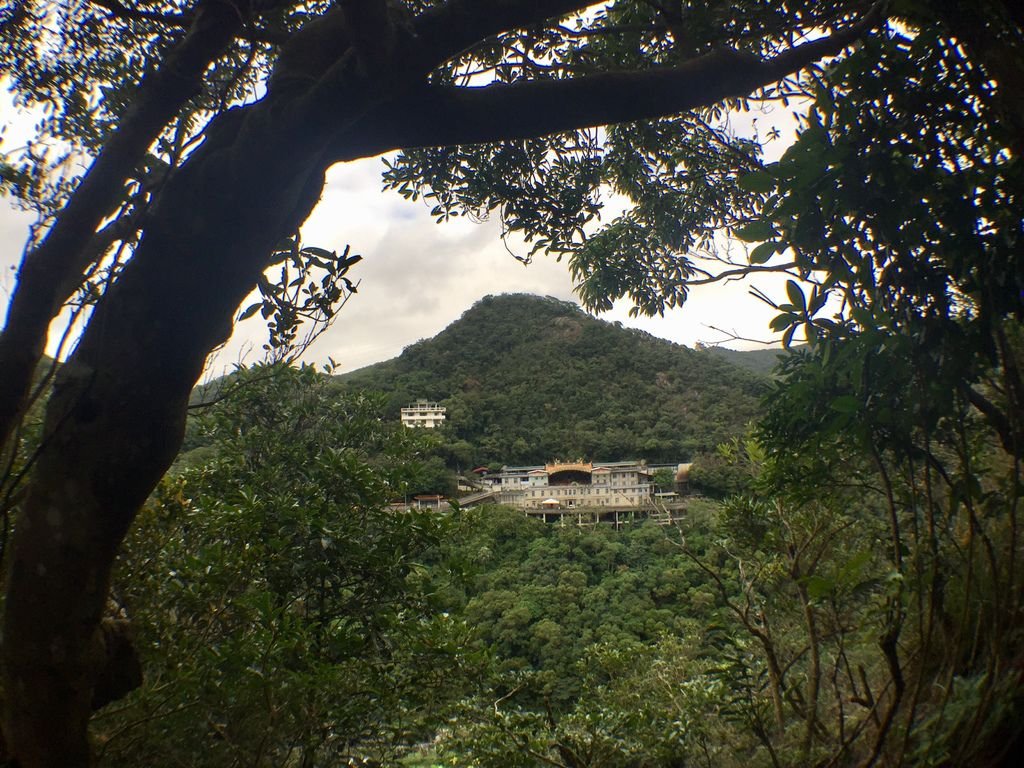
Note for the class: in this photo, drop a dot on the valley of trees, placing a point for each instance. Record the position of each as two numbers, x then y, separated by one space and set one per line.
313 625
856 599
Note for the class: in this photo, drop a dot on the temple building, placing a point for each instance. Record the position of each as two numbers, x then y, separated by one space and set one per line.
574 485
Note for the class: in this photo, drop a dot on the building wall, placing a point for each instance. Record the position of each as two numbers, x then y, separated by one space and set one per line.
613 484
423 413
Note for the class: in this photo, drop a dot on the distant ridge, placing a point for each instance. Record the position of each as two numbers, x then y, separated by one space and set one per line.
761 361
526 379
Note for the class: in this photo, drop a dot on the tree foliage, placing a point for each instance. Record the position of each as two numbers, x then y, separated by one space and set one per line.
280 609
795 633
206 128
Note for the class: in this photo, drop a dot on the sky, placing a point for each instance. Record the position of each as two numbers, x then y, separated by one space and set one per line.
417 276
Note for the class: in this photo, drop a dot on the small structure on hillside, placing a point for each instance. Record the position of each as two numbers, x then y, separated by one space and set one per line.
429 501
423 413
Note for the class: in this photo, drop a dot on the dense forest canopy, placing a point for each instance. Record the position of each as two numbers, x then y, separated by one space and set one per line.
206 127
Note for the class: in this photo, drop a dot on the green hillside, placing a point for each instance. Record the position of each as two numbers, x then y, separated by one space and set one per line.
528 379
761 361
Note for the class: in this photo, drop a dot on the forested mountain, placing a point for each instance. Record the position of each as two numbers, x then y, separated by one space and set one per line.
762 361
527 379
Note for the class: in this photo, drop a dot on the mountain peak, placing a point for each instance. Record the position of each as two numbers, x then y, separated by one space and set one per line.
525 378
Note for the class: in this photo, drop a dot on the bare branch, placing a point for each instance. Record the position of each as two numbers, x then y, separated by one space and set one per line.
730 336
740 272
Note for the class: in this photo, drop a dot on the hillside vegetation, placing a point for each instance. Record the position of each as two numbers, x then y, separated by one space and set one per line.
527 379
761 361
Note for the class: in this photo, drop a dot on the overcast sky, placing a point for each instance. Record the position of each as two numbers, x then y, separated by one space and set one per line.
417 276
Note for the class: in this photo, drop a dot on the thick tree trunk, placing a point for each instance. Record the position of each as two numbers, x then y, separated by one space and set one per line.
53 271
116 418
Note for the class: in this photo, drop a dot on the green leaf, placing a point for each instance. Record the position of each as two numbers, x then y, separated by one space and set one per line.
756 232
818 300
795 294
758 181
812 332
852 568
818 587
863 317
323 253
249 311
845 404
763 252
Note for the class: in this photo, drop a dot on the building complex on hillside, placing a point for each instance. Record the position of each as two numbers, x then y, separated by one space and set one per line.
423 413
600 491
591 485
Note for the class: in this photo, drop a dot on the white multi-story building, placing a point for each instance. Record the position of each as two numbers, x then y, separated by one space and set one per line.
423 413
610 484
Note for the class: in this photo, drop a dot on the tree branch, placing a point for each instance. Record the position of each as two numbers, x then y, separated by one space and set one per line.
500 112
739 272
394 49
120 11
51 272
184 20
459 24
1010 438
